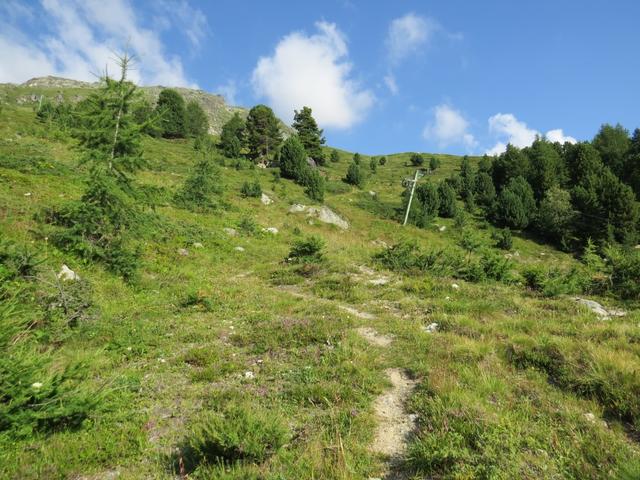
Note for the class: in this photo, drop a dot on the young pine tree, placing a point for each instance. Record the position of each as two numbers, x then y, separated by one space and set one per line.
233 136
109 140
335 156
354 175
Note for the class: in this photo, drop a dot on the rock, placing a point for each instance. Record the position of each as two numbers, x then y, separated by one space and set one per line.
183 252
637 247
265 199
249 375
455 286
28 194
297 208
599 310
372 193
442 228
239 249
272 230
590 417
232 232
198 245
379 281
431 328
67 274
326 215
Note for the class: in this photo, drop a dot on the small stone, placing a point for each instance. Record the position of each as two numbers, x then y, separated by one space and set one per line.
249 375
265 199
198 245
183 252
431 328
590 417
455 286
442 228
272 230
379 281
297 208
372 193
67 274
28 194
232 232
36 385
239 249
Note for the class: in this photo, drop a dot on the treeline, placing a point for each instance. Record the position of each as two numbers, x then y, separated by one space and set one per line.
563 194
170 117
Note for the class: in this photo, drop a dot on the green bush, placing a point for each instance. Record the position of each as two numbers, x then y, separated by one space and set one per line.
447 207
551 281
251 189
625 272
354 175
503 239
17 261
308 250
35 396
416 159
238 434
201 188
314 184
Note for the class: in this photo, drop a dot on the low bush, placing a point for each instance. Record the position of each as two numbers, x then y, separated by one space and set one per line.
251 189
503 239
201 188
308 250
238 434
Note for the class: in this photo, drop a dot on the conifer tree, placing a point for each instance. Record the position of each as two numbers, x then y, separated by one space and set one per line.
263 133
309 134
292 158
233 136
172 110
354 175
196 121
335 156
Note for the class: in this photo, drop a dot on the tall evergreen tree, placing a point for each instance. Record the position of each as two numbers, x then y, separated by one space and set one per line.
263 133
484 190
546 167
632 164
516 205
196 121
510 164
468 177
447 207
172 114
613 144
309 134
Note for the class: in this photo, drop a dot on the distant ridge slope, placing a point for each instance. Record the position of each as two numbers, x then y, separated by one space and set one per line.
64 89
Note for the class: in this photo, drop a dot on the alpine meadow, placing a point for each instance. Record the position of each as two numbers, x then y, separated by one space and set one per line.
191 289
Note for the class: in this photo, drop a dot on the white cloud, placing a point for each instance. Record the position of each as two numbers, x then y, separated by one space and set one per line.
449 127
511 130
84 36
558 135
390 82
408 34
313 71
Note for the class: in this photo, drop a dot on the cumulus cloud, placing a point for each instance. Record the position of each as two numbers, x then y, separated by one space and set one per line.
558 135
407 34
509 129
314 71
229 91
80 42
449 127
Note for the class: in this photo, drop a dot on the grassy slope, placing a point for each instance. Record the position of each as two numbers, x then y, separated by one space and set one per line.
160 365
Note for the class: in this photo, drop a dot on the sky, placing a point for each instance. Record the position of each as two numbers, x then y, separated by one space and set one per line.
461 77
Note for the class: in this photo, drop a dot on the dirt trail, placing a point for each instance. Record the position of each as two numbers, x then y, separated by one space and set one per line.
394 424
373 337
295 291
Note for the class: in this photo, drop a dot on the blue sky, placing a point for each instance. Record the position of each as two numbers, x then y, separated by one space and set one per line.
456 76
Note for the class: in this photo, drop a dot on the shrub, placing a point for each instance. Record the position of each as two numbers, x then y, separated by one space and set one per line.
252 189
434 164
428 202
354 175
552 282
335 156
17 261
495 266
373 165
237 434
416 159
34 397
625 272
314 184
503 238
308 250
356 158
293 158
382 160
248 226
201 187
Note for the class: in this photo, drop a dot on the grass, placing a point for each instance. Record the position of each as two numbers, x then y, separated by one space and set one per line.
512 385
